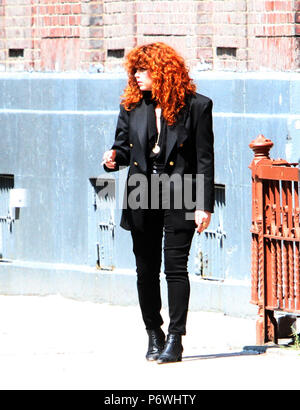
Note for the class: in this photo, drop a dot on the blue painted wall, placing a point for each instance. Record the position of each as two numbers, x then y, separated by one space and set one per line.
55 128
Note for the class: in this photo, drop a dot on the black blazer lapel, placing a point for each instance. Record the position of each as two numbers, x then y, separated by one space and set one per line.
171 139
176 134
140 131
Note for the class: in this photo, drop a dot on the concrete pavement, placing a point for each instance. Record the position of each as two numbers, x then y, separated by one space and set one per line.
57 343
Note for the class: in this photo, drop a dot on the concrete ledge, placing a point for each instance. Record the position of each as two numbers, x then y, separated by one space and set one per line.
117 287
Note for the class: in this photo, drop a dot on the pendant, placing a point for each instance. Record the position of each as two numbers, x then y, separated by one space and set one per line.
156 149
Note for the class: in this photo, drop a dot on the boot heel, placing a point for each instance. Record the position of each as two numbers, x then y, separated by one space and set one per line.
172 351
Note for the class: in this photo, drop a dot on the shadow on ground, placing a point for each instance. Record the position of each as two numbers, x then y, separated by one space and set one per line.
249 350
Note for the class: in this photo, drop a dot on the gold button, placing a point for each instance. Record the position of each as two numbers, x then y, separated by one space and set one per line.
131 145
171 163
135 163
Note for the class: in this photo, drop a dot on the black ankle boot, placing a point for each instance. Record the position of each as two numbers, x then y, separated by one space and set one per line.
172 351
156 343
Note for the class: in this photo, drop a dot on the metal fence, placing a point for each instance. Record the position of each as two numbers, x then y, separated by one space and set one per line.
275 238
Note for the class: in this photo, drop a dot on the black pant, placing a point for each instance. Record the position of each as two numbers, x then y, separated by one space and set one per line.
147 247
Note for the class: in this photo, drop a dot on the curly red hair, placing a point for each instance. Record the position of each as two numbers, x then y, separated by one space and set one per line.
171 81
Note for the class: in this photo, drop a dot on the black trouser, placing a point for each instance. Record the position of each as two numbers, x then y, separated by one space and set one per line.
147 247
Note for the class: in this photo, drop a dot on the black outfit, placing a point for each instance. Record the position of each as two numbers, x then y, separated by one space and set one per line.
185 148
188 150
147 247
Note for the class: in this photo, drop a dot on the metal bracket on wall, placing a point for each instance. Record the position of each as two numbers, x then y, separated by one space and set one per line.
9 220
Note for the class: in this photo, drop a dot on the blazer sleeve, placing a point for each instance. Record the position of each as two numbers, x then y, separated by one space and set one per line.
204 139
121 143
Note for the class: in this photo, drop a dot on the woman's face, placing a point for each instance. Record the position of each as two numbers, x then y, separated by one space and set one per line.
143 79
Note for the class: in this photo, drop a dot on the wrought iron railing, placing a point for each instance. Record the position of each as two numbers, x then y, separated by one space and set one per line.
275 238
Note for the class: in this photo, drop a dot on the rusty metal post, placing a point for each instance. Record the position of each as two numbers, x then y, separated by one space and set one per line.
275 275
266 325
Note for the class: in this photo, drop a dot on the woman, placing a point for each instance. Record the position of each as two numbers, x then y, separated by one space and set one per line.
164 129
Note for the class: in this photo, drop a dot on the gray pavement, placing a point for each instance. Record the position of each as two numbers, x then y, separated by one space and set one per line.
57 343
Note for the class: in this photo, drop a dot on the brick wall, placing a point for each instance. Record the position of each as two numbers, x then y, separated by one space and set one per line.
84 35
249 34
128 23
56 30
50 35
273 30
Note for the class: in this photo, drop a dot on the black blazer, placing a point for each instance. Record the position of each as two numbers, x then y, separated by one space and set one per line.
189 150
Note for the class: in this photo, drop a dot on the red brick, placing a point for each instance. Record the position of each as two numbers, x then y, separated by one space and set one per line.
55 20
270 5
76 9
51 9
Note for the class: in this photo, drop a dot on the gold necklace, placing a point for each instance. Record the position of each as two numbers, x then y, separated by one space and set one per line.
156 147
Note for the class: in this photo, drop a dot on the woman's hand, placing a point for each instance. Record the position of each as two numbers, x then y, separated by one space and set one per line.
202 220
109 159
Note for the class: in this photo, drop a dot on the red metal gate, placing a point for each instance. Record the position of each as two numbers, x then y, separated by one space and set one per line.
275 238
